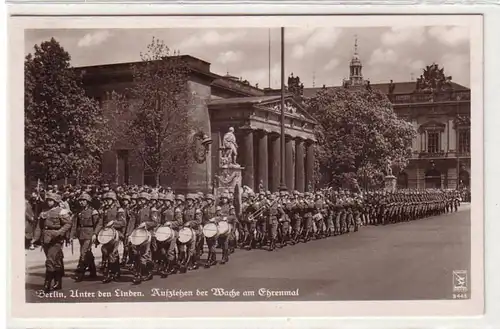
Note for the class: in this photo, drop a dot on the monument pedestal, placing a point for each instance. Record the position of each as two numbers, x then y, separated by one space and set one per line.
390 183
229 179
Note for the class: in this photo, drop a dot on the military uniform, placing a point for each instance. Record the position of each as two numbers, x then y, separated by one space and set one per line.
83 228
52 227
191 220
167 249
210 212
274 214
112 216
143 260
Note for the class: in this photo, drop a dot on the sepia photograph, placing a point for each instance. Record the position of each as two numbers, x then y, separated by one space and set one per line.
250 164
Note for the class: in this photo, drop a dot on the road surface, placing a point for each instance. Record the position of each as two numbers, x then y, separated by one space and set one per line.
405 261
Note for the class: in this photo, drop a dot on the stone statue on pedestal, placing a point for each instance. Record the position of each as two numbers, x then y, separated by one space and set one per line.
389 167
229 148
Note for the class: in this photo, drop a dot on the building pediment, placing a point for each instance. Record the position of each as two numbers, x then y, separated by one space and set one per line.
292 108
432 125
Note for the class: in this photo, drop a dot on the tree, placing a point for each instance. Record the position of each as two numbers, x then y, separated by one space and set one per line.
64 128
358 132
153 114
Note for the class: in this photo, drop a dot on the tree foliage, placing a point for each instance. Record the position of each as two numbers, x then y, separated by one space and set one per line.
358 133
153 114
64 128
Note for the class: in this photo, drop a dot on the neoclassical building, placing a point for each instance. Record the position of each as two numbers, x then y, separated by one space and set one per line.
220 102
441 153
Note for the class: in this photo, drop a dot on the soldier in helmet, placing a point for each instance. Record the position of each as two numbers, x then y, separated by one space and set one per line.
83 228
113 216
126 204
274 214
51 228
210 212
143 261
190 219
167 248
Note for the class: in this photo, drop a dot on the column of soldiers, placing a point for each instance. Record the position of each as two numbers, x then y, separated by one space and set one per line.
108 218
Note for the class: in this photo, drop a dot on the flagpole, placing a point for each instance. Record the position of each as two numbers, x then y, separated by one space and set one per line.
283 185
269 58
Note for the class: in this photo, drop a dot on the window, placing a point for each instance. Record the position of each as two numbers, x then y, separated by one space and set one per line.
464 140
433 142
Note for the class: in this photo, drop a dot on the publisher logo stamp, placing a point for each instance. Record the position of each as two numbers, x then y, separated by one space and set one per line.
460 281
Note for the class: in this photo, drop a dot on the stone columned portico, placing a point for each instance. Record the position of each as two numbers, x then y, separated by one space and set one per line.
256 122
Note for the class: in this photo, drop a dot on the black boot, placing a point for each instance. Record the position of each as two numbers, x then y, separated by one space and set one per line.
163 269
108 276
209 260
225 256
58 275
92 268
147 271
116 270
272 244
194 265
137 275
47 285
80 271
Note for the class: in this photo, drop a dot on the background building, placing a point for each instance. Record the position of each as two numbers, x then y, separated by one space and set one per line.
219 102
440 112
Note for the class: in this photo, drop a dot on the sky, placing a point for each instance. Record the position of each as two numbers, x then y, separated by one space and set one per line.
319 56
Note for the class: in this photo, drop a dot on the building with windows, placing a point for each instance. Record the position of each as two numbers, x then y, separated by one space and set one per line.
218 103
440 112
438 109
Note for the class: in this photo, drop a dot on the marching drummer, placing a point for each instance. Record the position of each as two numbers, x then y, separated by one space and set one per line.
112 216
51 227
127 206
166 248
83 228
143 262
209 212
190 220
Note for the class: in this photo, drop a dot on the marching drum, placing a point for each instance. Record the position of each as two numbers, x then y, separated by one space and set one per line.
107 235
210 230
186 234
139 236
224 227
164 233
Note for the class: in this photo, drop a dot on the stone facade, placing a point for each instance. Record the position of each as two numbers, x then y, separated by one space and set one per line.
217 103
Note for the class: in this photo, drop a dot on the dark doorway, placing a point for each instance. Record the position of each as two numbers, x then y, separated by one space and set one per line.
433 179
403 180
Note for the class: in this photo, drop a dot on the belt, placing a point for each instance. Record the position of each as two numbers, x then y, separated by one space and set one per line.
85 226
51 228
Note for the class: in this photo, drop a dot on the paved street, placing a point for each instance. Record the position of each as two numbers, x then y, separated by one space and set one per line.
396 262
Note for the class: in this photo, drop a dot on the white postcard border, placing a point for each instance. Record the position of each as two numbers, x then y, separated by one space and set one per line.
21 309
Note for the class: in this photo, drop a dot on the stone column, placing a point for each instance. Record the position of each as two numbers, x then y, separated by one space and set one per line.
290 163
248 162
275 163
299 165
263 160
309 165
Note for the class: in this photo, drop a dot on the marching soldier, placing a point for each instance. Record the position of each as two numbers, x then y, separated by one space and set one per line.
193 221
274 214
51 229
143 219
83 228
209 213
167 249
113 216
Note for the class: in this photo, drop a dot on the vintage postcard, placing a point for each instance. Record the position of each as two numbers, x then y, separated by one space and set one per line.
318 166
